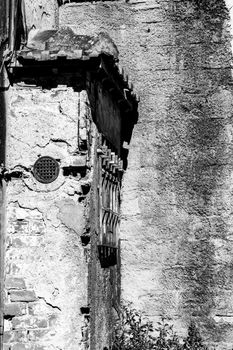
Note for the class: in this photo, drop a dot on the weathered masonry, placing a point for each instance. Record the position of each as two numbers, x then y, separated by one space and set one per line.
70 111
67 110
176 210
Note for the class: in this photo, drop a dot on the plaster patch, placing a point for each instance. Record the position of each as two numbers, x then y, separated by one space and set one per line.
71 215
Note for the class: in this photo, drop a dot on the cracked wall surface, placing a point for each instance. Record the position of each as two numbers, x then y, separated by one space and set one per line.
46 266
41 14
176 234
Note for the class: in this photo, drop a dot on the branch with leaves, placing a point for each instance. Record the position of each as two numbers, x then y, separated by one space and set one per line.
132 331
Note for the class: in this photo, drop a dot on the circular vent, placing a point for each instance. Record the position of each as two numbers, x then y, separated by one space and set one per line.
46 169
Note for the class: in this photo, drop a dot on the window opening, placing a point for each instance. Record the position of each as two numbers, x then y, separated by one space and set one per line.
110 178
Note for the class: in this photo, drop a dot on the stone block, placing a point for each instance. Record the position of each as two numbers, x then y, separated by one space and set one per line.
37 334
53 320
20 214
28 322
8 337
41 323
22 295
37 227
17 243
21 336
12 268
15 283
21 227
6 347
79 161
14 309
20 323
19 346
31 308
40 347
34 240
7 326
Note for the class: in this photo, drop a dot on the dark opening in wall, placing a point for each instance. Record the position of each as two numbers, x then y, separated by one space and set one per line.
85 310
8 317
75 171
85 189
8 176
85 239
83 146
107 256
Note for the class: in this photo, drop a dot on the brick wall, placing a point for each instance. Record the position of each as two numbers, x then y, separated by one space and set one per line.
46 265
3 36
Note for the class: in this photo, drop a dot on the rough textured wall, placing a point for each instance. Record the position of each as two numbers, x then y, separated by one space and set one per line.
230 9
41 14
103 291
46 264
3 36
3 20
104 283
176 210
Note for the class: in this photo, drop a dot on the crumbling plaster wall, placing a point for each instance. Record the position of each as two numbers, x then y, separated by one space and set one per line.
45 262
41 14
176 225
3 103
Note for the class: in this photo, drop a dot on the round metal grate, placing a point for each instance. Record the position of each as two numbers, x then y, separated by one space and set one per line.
46 169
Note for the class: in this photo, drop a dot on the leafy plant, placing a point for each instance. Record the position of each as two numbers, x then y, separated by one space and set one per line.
135 332
193 340
131 333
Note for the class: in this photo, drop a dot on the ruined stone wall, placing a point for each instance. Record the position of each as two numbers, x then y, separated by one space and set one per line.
3 103
46 265
176 234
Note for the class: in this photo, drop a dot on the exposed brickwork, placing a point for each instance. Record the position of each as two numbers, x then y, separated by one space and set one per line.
176 214
3 108
23 295
15 283
19 346
46 268
14 309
